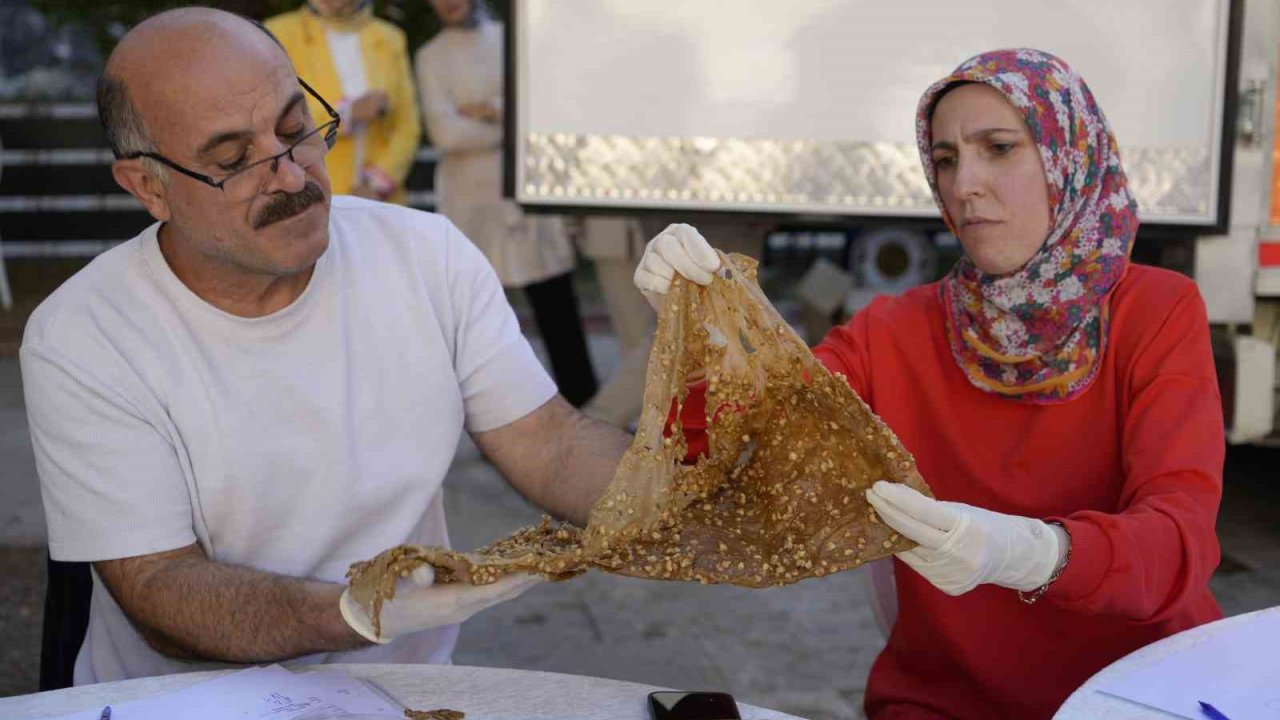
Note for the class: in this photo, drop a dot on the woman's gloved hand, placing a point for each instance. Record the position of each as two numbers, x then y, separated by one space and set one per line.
962 546
678 249
419 604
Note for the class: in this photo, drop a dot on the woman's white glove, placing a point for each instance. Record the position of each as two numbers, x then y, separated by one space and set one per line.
678 249
419 604
961 546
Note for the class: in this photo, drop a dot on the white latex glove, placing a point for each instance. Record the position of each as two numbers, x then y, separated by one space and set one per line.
961 546
678 249
420 605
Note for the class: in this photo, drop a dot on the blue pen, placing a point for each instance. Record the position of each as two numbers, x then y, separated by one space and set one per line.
1212 712
106 713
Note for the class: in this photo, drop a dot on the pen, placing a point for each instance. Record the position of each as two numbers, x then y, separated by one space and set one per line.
106 713
1212 712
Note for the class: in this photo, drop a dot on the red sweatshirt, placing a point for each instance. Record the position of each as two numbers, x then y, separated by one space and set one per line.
1132 468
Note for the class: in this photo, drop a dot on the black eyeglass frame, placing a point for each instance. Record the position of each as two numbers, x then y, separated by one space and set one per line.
330 137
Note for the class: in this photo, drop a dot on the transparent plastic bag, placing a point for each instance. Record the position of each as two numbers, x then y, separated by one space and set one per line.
778 498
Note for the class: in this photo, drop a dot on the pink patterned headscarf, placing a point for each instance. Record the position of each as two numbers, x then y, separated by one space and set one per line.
1037 335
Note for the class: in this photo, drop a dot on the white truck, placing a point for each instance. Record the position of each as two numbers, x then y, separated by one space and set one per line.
803 112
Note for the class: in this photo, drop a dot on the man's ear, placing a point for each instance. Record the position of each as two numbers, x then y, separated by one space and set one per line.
146 187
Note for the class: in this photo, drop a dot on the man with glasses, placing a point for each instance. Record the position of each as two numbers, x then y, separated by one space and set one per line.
269 383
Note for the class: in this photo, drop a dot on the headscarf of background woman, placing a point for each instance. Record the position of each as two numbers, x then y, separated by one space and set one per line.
1038 334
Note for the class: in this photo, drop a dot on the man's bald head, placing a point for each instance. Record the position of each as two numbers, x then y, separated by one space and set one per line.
215 95
171 47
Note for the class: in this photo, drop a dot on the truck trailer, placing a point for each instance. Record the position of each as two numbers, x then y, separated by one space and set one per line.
801 115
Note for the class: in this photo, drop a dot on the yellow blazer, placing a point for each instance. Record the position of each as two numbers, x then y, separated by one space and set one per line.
392 140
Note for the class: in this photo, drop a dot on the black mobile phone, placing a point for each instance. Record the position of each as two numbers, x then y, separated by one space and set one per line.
674 705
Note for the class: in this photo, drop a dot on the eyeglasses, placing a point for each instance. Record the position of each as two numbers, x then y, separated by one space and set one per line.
249 181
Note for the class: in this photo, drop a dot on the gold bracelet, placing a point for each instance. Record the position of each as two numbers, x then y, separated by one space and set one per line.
1034 595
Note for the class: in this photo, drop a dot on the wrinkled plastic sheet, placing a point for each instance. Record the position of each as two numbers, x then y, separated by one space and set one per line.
778 498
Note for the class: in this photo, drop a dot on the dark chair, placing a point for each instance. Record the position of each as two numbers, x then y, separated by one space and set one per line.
66 618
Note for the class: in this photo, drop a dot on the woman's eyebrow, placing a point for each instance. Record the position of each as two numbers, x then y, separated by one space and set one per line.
981 134
987 132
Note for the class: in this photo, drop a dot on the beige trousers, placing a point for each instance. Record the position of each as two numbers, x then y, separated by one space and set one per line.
615 245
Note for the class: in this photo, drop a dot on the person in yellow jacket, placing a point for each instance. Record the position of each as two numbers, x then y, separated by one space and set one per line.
361 64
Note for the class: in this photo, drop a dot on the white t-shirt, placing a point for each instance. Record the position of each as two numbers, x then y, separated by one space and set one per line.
295 443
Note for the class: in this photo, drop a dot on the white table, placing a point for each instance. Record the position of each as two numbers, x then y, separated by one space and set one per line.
482 693
1087 703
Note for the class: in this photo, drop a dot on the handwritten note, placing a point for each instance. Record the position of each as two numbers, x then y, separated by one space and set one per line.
266 693
1236 670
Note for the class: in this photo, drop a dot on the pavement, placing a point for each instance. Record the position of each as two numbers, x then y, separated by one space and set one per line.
804 649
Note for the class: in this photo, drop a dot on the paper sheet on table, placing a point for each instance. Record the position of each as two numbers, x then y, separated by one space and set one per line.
266 693
1236 670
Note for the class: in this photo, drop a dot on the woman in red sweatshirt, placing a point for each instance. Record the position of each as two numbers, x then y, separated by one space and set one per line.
1061 402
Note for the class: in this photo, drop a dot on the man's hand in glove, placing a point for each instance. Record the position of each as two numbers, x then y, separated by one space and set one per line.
419 604
962 546
678 249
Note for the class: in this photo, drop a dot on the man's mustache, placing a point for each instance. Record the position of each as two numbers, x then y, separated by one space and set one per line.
284 207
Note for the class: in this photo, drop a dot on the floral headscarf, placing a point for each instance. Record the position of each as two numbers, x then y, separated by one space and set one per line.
1037 335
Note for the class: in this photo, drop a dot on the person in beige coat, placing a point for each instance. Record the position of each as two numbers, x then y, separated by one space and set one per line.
460 85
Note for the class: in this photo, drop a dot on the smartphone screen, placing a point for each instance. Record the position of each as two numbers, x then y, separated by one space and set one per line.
693 706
